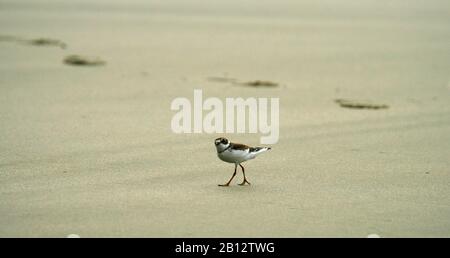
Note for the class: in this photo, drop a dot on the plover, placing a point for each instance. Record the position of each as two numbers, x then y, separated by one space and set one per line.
236 153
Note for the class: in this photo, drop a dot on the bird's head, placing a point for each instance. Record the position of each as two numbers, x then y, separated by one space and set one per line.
221 143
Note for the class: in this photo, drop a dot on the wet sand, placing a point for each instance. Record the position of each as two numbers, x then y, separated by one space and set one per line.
88 150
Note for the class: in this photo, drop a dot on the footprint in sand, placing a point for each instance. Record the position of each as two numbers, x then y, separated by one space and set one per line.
77 60
34 42
47 42
259 83
256 83
359 104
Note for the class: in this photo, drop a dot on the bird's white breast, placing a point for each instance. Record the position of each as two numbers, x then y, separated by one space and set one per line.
235 156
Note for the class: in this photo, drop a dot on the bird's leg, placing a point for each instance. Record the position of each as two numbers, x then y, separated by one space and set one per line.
228 183
245 179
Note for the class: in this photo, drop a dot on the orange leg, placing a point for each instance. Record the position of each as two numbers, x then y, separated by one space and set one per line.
245 179
234 174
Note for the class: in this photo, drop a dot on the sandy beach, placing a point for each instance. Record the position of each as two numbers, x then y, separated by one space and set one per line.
89 150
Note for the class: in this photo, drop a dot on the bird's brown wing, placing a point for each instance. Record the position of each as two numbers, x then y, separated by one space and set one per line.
238 146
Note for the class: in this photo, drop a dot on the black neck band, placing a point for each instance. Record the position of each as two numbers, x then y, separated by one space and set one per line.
225 148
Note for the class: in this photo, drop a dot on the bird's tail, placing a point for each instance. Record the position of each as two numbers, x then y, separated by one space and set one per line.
259 150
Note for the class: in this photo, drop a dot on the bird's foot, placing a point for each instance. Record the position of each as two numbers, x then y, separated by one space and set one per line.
224 185
243 183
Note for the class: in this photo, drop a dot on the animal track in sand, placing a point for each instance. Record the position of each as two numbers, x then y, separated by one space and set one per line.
47 42
77 60
34 42
359 104
255 83
259 83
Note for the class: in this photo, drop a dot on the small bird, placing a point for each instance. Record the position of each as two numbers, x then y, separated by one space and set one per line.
236 153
